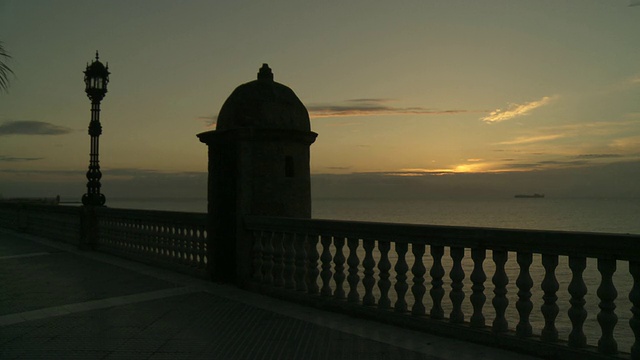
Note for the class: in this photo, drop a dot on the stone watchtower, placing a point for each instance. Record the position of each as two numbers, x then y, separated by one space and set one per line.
258 165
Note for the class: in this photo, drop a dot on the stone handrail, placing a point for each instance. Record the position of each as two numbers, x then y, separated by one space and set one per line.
175 240
305 259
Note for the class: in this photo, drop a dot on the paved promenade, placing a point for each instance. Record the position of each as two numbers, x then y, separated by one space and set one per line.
60 303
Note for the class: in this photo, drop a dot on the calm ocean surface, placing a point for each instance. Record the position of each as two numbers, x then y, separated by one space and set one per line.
591 215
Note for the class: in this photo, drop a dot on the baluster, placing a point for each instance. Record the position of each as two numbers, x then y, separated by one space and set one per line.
175 244
383 267
202 251
278 259
478 277
267 259
191 247
195 250
326 258
368 264
456 275
169 252
185 246
179 244
288 261
577 312
168 243
162 242
353 279
186 243
607 317
418 270
401 269
339 276
158 242
144 240
194 244
205 248
550 308
500 300
634 297
257 255
437 273
301 262
312 264
524 304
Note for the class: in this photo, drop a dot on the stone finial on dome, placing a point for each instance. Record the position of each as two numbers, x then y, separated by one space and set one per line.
265 73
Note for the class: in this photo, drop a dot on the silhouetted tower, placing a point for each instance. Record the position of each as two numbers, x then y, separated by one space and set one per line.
258 165
96 78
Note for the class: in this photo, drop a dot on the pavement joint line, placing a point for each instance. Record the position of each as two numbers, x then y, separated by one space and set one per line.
12 319
24 255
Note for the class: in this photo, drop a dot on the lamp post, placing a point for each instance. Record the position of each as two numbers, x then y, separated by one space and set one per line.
96 77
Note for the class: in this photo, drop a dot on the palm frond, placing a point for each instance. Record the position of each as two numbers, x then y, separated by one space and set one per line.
5 70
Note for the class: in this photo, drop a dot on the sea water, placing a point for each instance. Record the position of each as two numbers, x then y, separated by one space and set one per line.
591 215
579 214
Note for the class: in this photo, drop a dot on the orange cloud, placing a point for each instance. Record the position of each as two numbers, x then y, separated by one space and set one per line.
628 144
530 139
516 110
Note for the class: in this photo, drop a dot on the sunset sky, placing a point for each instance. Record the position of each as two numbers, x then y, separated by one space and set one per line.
393 88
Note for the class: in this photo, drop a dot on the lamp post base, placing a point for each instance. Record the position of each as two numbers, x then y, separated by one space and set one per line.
93 200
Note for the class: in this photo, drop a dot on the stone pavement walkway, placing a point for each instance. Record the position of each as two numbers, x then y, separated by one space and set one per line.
57 302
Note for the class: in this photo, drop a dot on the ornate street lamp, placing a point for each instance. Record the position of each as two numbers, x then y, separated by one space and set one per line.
96 78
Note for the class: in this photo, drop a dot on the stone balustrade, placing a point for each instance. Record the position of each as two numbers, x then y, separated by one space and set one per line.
173 240
550 293
61 223
385 271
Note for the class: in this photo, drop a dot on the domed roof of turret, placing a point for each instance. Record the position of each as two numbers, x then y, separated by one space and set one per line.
264 104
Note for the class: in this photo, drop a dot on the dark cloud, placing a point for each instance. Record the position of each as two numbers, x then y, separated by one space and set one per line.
41 172
32 128
17 159
557 162
524 166
598 156
370 100
370 107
